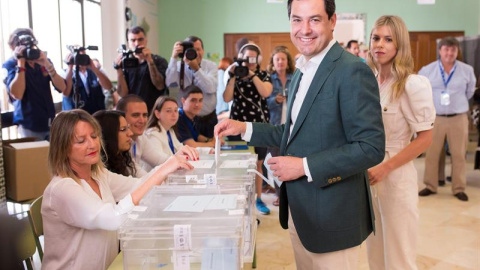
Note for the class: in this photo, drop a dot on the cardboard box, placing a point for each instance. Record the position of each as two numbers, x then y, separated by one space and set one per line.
26 169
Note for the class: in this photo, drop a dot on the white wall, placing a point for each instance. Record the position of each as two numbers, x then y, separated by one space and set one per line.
144 13
113 29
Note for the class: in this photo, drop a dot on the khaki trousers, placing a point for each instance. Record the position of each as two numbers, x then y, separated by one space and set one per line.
455 129
346 259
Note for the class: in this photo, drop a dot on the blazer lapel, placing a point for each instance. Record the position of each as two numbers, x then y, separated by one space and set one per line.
297 76
323 72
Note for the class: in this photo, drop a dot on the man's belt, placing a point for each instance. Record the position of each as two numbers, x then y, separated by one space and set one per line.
448 115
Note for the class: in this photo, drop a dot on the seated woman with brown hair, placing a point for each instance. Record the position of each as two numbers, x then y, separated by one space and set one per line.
161 127
80 210
117 139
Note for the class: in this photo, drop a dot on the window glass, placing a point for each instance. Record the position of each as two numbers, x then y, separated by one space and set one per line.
47 32
46 29
71 24
56 24
93 31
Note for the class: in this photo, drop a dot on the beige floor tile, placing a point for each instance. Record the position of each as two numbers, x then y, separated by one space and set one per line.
449 230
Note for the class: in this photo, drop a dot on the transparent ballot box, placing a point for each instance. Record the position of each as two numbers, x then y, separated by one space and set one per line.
246 183
229 164
185 228
194 250
234 170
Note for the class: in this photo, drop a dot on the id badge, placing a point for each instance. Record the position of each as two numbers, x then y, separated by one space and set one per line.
445 98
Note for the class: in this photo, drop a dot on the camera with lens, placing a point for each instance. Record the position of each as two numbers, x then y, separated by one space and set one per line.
31 51
240 69
129 60
188 51
79 59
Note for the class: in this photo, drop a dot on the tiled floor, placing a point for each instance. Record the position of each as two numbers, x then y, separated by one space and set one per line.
449 230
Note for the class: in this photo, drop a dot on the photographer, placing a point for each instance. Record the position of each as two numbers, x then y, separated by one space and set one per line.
249 87
90 92
193 69
148 79
28 83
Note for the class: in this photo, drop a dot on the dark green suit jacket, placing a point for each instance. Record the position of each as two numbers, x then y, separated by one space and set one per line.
339 130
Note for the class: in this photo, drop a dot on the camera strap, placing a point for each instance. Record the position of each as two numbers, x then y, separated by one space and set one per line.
182 75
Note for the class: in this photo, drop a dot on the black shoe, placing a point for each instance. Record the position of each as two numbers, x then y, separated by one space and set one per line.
426 192
441 183
461 196
449 179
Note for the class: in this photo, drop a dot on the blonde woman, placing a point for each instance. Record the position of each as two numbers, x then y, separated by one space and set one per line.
407 108
80 210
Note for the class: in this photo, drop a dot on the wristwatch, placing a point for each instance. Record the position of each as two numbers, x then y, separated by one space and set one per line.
20 69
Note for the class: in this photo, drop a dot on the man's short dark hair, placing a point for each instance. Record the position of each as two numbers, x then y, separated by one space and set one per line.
136 30
194 39
123 102
191 89
329 7
449 42
349 44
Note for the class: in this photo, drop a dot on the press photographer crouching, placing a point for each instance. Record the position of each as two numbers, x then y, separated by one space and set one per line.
84 88
147 79
28 84
192 69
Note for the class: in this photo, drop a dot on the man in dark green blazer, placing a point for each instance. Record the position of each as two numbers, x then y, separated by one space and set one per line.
333 134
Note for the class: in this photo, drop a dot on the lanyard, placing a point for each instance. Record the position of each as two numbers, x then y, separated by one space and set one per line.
190 124
170 142
134 151
442 72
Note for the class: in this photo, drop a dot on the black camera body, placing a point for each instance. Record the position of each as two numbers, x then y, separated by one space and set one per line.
188 51
80 59
31 51
241 70
129 60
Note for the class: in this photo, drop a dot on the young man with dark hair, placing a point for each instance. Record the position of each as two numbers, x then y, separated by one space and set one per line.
148 79
136 114
352 47
188 132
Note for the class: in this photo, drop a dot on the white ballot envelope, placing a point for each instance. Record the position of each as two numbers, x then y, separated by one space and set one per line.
270 173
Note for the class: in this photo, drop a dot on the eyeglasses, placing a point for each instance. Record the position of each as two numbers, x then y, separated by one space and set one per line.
125 128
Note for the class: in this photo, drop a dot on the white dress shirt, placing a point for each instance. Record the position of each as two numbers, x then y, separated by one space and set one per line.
308 68
158 139
146 155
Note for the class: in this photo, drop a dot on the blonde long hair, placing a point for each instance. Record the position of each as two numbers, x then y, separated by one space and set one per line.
402 65
61 138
